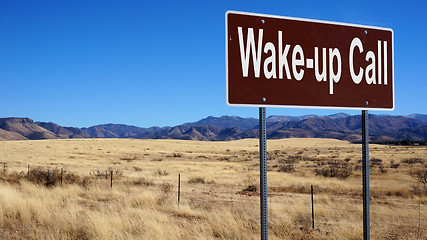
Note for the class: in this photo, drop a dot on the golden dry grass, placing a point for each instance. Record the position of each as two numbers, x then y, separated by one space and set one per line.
143 201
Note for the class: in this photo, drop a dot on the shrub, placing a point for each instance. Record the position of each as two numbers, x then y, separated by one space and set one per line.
375 161
382 170
70 178
413 160
165 189
335 168
12 177
419 175
419 190
129 158
196 180
287 168
106 173
100 173
49 177
137 169
142 181
160 173
294 159
116 172
394 165
303 221
251 188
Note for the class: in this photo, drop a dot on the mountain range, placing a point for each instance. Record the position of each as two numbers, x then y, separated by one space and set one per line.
382 128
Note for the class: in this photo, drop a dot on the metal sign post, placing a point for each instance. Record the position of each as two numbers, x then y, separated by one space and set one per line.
365 174
263 172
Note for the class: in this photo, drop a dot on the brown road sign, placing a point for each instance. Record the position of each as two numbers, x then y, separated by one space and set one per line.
291 62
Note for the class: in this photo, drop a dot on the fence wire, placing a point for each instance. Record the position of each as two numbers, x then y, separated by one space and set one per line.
321 217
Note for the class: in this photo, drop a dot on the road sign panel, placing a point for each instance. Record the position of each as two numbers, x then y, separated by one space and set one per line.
274 61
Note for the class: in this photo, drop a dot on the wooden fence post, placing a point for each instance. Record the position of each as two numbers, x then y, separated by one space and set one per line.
312 207
111 183
179 188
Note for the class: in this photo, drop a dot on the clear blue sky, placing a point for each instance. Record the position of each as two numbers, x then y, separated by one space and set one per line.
147 63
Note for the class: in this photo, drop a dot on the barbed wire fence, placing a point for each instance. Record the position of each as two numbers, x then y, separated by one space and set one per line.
328 215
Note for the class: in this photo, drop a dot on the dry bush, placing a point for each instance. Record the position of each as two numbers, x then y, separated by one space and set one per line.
303 221
224 158
137 169
107 173
71 178
251 188
197 180
294 159
52 177
160 173
394 165
381 168
334 168
85 182
12 177
130 158
419 175
177 155
42 177
142 182
287 168
165 189
419 190
413 161
375 161
100 173
116 172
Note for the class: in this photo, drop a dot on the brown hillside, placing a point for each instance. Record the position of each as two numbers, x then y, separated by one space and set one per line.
23 126
6 135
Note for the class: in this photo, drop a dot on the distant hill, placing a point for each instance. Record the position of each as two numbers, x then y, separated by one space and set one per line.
421 117
227 122
23 128
63 132
338 126
117 131
275 118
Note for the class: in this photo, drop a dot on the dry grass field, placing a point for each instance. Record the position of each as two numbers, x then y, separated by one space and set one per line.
219 189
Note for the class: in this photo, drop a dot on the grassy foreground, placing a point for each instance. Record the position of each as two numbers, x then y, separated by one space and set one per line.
219 190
